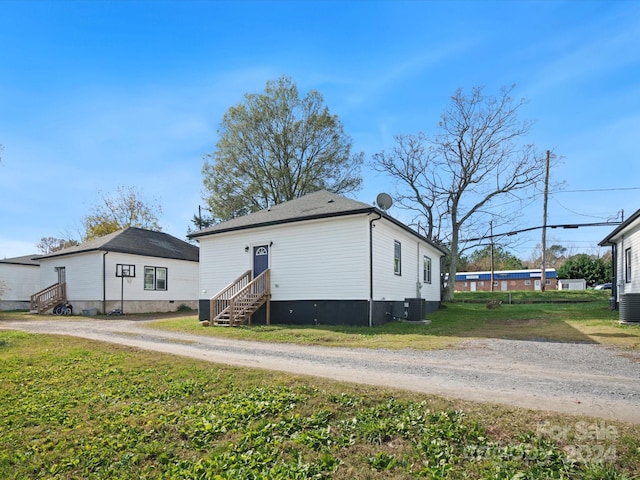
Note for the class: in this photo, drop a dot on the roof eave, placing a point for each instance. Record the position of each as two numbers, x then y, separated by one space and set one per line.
607 241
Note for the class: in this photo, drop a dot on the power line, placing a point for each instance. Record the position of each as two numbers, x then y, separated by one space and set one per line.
621 189
566 225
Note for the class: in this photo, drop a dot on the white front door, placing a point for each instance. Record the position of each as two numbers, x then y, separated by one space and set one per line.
472 285
504 285
536 285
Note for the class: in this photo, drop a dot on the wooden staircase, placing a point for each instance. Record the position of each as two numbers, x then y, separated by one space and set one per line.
236 303
49 297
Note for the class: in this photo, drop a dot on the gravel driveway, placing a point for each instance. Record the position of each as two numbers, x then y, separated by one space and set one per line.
584 379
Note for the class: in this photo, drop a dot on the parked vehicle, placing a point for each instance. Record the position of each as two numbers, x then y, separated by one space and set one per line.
604 286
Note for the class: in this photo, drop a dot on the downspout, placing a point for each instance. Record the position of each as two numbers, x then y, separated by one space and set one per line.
371 267
104 283
614 274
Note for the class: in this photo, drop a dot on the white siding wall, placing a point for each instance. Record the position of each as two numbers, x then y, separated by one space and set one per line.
182 279
323 259
409 284
83 274
19 281
317 259
630 239
85 278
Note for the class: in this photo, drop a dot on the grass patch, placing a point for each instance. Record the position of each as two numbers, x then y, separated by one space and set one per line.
82 409
584 322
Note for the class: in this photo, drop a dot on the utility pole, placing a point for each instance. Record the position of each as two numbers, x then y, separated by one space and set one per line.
492 264
543 276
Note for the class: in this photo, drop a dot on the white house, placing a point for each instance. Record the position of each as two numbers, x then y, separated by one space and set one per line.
19 278
625 243
134 270
323 259
572 284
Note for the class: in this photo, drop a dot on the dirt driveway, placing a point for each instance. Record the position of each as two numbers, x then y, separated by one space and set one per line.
582 379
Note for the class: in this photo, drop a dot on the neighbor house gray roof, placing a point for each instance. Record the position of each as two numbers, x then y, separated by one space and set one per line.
321 204
31 260
136 241
623 226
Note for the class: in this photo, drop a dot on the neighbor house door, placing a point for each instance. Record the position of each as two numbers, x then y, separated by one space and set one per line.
536 285
260 259
473 286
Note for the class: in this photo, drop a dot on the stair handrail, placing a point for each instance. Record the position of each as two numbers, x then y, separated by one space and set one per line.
220 301
261 286
48 297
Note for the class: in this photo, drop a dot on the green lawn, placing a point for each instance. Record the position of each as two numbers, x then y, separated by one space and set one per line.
78 409
582 317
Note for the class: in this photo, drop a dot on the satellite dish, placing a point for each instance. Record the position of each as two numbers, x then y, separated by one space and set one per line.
384 201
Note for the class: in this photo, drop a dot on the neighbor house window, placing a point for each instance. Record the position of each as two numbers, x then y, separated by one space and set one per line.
155 278
426 269
627 265
527 282
397 261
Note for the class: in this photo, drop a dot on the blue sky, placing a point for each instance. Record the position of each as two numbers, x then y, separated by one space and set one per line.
100 94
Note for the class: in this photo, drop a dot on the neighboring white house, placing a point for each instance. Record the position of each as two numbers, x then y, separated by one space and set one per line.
572 284
19 278
134 269
330 260
625 243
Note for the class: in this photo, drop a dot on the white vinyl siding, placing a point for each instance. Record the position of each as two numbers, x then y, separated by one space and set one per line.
85 279
389 286
83 273
628 259
316 259
20 281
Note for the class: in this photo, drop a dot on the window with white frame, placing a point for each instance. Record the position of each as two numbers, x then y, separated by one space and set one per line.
627 265
155 278
397 258
426 269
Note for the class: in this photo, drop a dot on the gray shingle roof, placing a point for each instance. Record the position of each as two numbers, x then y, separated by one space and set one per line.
24 260
319 204
137 241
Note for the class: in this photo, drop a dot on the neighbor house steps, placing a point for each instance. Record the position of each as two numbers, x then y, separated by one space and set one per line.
48 298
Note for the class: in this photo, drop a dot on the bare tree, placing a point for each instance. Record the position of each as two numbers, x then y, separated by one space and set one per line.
475 170
125 209
49 245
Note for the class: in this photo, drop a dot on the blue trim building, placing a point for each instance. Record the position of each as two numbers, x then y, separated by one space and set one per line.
505 280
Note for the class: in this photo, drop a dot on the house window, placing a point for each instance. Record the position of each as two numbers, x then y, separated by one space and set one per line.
426 269
627 265
527 282
397 260
155 278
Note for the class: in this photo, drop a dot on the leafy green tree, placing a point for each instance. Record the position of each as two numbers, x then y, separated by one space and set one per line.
461 178
480 259
594 270
125 209
274 147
